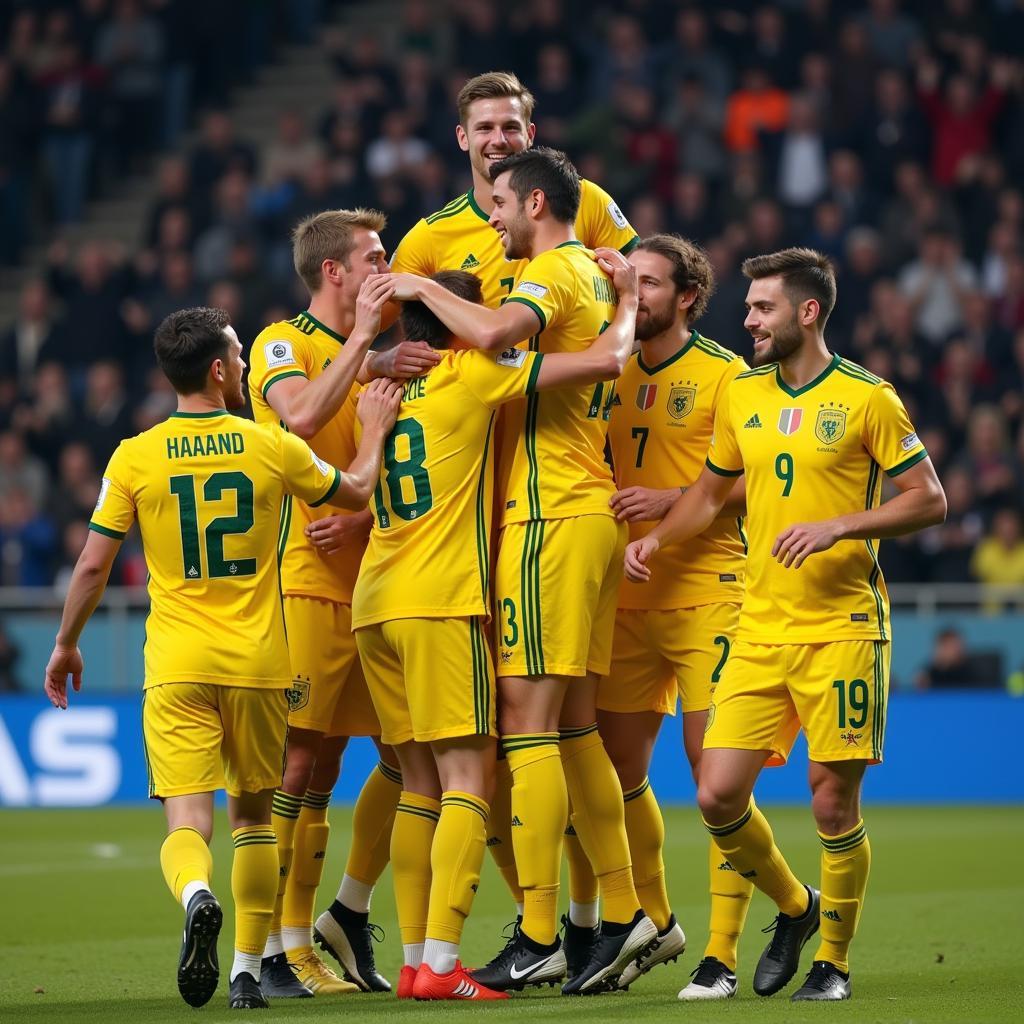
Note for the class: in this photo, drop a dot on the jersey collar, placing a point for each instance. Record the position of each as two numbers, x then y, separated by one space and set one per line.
340 339
652 370
475 206
198 415
812 384
572 241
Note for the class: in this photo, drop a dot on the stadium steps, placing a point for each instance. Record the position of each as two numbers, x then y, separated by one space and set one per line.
300 78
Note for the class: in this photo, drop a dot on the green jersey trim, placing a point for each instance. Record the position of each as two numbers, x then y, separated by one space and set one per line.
531 384
198 415
630 245
651 370
106 531
281 376
571 241
335 484
475 206
797 392
533 305
902 467
720 471
339 338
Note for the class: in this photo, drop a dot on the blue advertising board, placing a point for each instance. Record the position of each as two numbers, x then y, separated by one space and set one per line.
940 748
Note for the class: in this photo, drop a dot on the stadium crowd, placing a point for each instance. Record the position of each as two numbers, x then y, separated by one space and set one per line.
889 135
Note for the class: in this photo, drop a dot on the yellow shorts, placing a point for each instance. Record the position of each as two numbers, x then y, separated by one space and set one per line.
556 583
430 679
837 692
328 692
200 737
659 656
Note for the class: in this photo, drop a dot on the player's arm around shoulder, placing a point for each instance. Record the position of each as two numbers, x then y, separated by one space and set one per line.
318 483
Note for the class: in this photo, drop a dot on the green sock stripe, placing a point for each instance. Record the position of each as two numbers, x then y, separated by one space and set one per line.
420 812
578 733
727 830
316 801
639 791
286 808
254 842
849 841
511 744
459 801
389 773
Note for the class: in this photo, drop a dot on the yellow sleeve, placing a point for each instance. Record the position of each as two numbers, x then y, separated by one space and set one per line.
272 359
495 380
115 507
601 222
547 288
310 479
724 456
415 252
889 436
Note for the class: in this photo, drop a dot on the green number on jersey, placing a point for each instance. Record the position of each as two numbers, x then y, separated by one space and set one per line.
511 637
856 696
784 471
723 642
641 433
395 471
184 489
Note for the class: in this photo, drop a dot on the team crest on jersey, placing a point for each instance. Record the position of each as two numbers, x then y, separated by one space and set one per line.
646 395
790 420
680 401
830 425
298 694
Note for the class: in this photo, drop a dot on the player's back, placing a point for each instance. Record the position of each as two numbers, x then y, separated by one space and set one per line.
207 492
459 237
429 548
552 457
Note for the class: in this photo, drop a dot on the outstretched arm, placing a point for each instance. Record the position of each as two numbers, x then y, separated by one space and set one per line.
88 582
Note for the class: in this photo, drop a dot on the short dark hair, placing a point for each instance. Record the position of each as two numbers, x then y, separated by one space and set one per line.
187 342
806 274
549 170
419 323
691 268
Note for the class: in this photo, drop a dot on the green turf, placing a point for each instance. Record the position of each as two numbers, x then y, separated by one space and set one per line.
89 933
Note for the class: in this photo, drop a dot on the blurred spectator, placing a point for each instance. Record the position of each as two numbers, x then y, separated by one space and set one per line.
1009 306
936 284
105 416
9 655
77 485
798 154
285 158
219 152
948 547
21 471
758 105
892 36
692 57
999 558
175 192
27 542
396 151
952 666
73 536
989 458
47 418
696 118
17 130
895 131
232 217
29 339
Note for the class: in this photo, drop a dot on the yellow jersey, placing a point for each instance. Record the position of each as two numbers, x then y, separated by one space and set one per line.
304 347
552 444
458 237
660 430
207 489
429 547
811 454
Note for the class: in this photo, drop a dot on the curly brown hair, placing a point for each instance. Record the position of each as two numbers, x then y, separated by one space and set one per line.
691 268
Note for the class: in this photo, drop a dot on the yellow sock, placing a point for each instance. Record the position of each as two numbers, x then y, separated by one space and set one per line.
845 865
311 835
254 874
645 828
411 839
372 822
456 856
730 899
499 830
184 858
540 807
583 887
283 820
750 848
599 818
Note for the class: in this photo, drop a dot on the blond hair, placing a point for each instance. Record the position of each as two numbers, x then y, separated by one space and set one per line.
691 268
329 235
494 85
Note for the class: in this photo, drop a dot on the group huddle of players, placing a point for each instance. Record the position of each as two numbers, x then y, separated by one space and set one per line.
466 576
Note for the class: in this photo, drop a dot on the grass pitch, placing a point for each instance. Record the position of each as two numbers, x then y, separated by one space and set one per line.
90 933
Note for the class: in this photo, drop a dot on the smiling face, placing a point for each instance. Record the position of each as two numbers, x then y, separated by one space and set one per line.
494 129
510 220
772 321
